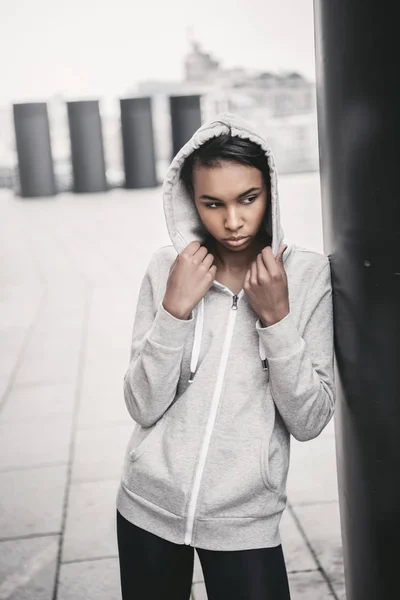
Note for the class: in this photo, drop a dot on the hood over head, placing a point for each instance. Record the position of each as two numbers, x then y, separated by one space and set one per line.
183 221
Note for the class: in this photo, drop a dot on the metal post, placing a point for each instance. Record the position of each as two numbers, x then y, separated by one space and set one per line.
359 132
138 143
87 151
35 160
185 119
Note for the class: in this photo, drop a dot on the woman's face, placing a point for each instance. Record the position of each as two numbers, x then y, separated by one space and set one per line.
231 200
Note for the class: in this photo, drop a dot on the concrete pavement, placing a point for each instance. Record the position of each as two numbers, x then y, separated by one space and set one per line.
69 276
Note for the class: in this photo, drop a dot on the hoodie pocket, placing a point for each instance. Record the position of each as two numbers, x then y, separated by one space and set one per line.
232 484
274 464
139 444
160 468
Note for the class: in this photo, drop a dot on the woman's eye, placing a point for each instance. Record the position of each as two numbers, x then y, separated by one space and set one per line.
212 204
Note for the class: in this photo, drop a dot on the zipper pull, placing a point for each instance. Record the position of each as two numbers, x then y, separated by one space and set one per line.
234 302
265 365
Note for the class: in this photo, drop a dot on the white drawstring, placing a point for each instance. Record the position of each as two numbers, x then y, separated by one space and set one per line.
198 332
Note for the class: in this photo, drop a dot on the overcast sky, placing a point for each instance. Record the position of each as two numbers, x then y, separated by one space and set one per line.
100 48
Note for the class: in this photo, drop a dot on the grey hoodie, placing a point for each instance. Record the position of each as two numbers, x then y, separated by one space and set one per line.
215 397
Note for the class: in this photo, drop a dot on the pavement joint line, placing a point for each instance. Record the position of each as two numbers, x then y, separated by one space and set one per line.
38 419
105 425
28 336
311 549
300 504
25 574
290 572
29 536
78 396
40 382
89 559
115 479
48 381
93 480
32 467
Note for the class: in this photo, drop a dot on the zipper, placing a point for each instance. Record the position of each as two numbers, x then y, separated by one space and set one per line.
212 415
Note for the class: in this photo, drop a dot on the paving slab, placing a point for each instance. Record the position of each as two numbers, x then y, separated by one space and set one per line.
19 304
91 521
4 382
309 586
198 575
37 402
105 370
321 522
34 444
296 552
303 586
99 452
90 580
312 474
11 344
102 402
28 568
31 501
199 591
50 363
52 351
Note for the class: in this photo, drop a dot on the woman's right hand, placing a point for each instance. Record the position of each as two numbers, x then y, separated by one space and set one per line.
190 277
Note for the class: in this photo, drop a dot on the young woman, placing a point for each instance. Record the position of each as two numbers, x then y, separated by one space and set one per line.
232 353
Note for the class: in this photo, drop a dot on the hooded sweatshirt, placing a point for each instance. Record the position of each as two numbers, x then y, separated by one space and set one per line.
215 398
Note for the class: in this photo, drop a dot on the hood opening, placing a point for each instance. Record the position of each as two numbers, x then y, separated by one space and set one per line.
183 222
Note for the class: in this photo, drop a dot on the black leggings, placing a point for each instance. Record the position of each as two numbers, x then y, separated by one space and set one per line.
152 568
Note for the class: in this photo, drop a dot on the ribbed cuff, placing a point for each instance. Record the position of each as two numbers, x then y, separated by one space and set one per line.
281 339
169 331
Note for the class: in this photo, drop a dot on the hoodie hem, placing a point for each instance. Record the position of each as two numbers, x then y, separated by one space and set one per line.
223 533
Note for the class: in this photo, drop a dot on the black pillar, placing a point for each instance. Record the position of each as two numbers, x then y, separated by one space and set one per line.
87 151
35 161
185 119
138 143
359 117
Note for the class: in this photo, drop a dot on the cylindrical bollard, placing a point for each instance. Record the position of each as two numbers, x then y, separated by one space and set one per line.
87 151
35 161
138 143
185 119
359 131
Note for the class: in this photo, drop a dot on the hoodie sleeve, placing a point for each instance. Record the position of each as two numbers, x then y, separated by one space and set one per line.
301 369
156 351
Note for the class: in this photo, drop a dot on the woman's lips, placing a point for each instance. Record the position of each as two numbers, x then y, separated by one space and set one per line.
237 242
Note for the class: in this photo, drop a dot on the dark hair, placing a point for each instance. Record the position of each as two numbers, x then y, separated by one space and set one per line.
226 148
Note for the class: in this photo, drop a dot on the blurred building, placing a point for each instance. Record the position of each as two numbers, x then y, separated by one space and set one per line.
281 106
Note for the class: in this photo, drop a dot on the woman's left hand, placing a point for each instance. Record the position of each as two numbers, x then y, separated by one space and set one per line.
266 286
